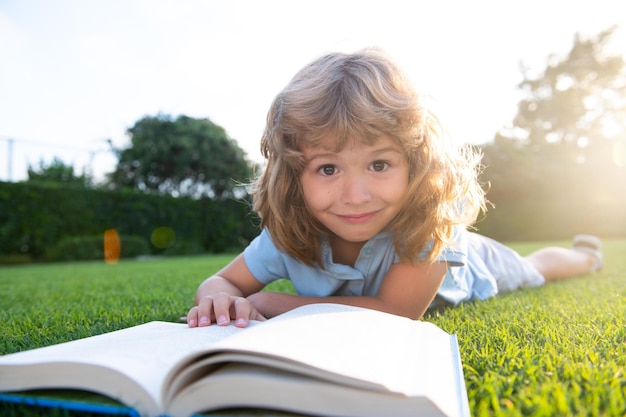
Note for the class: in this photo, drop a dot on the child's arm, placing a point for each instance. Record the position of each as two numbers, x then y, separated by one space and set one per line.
221 297
407 290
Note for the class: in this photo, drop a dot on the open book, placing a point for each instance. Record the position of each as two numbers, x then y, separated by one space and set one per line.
320 359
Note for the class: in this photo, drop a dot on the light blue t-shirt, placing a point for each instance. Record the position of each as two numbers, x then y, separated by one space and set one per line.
469 276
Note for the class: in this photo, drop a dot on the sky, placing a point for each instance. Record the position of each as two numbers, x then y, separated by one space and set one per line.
76 74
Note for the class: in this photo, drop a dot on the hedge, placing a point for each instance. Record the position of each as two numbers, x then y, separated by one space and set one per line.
36 217
85 248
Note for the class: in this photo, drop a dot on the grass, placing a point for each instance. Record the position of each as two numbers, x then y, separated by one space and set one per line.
558 350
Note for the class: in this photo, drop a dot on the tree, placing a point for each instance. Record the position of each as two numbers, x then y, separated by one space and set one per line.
561 163
572 116
182 156
58 172
578 101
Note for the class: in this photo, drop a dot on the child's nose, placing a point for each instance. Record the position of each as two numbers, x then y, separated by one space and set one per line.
356 190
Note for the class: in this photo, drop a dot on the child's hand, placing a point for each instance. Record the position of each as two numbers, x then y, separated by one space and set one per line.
221 308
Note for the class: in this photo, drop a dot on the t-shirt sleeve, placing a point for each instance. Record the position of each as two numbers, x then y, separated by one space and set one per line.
264 260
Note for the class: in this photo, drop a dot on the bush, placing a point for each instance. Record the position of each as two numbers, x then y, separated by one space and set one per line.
16 259
36 217
133 246
84 248
183 248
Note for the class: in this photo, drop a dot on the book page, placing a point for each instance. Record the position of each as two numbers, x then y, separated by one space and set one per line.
393 353
268 389
129 365
359 343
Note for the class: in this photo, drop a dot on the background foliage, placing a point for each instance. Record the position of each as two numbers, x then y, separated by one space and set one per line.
181 156
36 217
561 167
58 171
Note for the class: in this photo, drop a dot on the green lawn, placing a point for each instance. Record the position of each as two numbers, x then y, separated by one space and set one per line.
556 350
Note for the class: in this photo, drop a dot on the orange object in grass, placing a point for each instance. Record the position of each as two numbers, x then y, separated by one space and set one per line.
112 246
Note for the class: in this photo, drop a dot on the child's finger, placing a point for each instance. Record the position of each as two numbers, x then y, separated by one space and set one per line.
204 311
221 309
192 317
243 311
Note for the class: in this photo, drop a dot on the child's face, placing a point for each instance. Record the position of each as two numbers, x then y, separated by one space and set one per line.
356 192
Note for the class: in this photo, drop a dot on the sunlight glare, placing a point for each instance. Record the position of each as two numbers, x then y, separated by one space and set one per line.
619 153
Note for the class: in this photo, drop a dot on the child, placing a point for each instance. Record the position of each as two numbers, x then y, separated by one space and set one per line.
363 202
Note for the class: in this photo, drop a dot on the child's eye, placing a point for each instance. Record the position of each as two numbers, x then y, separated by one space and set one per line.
379 166
327 169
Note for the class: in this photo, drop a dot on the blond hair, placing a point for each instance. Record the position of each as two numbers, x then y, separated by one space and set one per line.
363 96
